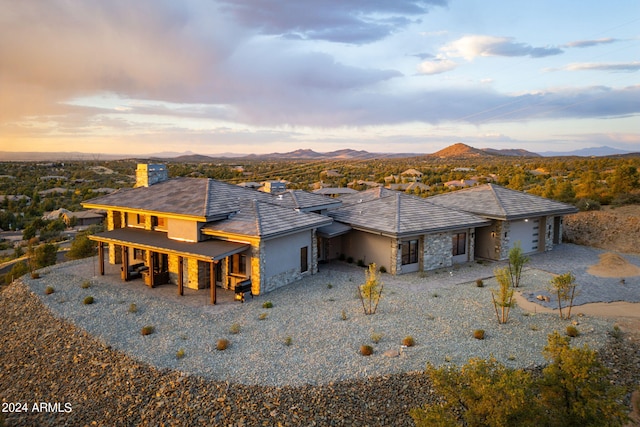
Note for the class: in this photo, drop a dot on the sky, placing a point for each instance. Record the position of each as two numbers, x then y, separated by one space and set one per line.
265 76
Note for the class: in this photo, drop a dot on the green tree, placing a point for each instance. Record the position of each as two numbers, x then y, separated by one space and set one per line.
564 286
82 247
574 389
45 255
517 260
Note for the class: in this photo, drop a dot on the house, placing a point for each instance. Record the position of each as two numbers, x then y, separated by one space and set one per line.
461 183
202 233
334 191
403 233
515 216
412 175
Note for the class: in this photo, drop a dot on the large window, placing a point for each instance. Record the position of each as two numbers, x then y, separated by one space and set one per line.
238 264
459 246
304 263
409 252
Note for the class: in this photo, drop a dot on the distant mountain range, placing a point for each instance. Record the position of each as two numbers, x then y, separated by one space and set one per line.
455 151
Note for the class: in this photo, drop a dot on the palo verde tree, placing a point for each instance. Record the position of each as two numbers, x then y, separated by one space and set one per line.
573 390
564 287
517 260
504 297
371 291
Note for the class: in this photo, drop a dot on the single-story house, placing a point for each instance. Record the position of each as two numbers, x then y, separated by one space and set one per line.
533 221
403 233
203 233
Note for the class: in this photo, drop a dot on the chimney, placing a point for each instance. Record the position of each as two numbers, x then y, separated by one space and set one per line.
149 174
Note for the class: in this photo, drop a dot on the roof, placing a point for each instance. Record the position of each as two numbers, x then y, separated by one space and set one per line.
305 201
335 190
256 218
213 250
394 213
195 197
496 202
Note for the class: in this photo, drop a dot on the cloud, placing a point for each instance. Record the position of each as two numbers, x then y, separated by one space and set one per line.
593 66
436 66
470 47
345 21
589 43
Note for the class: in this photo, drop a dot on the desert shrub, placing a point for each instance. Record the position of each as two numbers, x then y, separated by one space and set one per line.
133 308
35 275
375 337
366 350
267 304
479 283
329 286
504 297
588 205
288 341
82 247
180 353
360 263
383 269
222 344
86 284
19 269
564 286
49 290
408 341
371 291
616 332
147 330
344 316
517 260
478 334
234 328
350 260
87 300
44 255
341 257
262 316
572 331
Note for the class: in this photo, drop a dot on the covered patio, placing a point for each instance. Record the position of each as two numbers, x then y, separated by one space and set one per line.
154 248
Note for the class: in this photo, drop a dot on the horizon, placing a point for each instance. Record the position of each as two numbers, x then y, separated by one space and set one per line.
231 76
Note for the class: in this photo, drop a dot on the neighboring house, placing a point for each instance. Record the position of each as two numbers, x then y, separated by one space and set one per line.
403 233
334 191
203 233
412 175
409 186
461 183
515 216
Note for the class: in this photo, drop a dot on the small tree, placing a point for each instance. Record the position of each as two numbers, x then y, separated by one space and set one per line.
574 389
517 260
45 255
371 292
82 247
564 286
504 298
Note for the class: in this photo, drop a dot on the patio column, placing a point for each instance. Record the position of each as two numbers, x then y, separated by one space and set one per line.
150 264
212 281
180 274
125 263
101 257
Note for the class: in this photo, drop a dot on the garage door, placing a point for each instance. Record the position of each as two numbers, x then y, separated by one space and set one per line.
526 232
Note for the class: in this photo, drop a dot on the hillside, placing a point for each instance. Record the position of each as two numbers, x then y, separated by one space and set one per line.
614 229
460 151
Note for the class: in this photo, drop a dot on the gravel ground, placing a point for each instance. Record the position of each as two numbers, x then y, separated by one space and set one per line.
440 310
93 381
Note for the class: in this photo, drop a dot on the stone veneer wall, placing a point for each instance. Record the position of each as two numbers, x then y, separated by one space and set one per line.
437 251
257 266
192 274
396 257
115 219
502 237
173 261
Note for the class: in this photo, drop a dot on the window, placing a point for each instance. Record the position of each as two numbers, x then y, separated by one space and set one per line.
459 246
238 264
159 222
409 252
304 264
139 254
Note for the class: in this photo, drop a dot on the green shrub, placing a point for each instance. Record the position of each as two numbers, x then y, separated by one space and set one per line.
235 328
180 353
87 300
267 304
86 284
35 275
616 332
147 330
478 334
262 316
344 316
588 205
329 286
287 341
133 308
350 260
366 350
49 290
479 283
375 337
572 331
408 341
383 269
222 344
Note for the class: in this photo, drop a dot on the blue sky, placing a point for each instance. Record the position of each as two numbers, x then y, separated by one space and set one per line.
262 76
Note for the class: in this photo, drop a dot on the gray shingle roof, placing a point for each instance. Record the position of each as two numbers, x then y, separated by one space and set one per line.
305 201
399 214
494 201
256 218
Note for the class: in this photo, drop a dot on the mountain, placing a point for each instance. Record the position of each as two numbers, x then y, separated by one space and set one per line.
308 154
514 152
587 152
460 151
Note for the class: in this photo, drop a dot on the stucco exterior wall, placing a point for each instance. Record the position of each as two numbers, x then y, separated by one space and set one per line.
179 229
369 248
280 260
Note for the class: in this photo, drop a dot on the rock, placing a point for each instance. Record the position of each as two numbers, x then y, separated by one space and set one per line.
391 353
